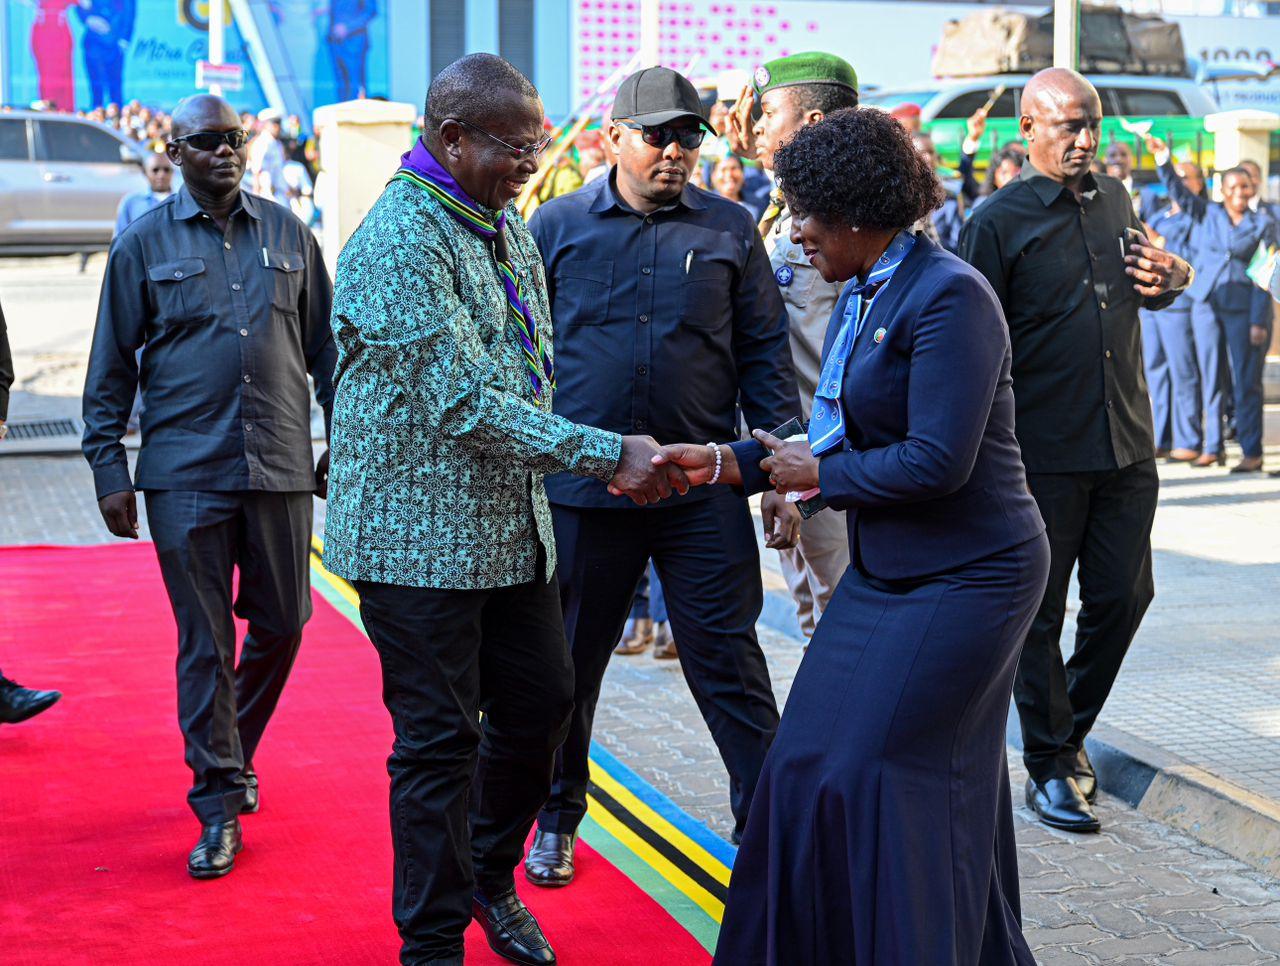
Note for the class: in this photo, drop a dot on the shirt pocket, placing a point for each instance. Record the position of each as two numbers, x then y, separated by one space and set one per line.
582 293
1049 285
284 270
704 296
181 292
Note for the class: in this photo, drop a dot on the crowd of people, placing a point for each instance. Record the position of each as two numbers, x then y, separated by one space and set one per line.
526 420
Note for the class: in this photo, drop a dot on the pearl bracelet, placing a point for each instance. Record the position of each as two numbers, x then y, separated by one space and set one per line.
719 464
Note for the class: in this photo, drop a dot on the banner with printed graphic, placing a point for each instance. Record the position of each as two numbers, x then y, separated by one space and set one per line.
82 54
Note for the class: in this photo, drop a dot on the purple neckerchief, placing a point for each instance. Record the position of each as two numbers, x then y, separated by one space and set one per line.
419 166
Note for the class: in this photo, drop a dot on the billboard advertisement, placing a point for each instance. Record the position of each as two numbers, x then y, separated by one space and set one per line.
81 54
890 44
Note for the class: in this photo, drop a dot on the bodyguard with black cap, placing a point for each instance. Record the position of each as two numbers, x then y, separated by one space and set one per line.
794 92
667 318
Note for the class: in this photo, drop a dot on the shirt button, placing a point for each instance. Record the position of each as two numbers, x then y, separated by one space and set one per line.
646 270
648 220
235 287
244 331
248 379
644 318
641 370
248 427
227 245
1109 406
1103 304
1107 353
177 275
641 424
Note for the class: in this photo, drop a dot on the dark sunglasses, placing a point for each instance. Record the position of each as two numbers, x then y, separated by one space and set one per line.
660 135
212 140
519 154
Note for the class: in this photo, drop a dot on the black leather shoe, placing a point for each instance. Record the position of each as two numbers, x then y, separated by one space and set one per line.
511 930
1059 804
1086 778
18 703
550 861
215 854
250 805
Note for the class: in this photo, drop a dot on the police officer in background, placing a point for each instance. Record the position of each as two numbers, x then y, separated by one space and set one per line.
793 92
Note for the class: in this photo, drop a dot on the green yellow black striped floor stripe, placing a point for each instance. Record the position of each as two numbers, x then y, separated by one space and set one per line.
674 858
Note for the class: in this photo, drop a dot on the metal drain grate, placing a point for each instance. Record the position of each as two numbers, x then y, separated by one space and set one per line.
43 429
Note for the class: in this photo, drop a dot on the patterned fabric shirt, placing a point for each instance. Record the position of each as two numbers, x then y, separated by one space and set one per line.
438 447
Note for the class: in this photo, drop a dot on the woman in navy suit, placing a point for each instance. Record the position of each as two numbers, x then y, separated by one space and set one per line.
881 833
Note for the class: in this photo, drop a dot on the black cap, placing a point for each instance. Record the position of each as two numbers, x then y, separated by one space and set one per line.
657 95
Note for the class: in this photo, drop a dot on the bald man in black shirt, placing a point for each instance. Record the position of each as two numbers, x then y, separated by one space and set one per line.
1063 250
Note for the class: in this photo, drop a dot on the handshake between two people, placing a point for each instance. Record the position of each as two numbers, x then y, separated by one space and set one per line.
648 472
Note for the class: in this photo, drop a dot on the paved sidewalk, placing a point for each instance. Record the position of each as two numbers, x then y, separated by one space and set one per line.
1141 892
1198 700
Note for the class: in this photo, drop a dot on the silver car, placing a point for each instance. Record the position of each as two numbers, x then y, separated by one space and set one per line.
61 181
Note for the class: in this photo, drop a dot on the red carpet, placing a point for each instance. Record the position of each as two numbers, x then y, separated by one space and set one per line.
94 826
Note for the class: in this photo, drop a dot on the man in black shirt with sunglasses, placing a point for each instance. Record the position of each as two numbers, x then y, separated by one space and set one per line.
667 320
229 295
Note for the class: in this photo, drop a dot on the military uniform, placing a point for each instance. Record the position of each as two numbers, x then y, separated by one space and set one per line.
814 567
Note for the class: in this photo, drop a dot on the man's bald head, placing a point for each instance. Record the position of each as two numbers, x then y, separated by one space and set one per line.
211 166
1053 87
158 170
203 112
1061 121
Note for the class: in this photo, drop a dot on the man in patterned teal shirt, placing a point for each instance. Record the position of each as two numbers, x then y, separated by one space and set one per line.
442 432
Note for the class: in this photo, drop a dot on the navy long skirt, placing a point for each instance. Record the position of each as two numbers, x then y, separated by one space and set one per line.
881 833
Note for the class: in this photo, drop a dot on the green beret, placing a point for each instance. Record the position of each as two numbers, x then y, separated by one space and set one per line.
808 68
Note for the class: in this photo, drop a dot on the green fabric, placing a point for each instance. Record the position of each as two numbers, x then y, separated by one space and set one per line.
437 451
811 67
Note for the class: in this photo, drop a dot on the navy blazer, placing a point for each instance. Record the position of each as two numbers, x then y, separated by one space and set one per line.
930 469
1220 250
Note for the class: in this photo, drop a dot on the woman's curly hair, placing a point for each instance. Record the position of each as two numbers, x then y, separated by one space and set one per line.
857 167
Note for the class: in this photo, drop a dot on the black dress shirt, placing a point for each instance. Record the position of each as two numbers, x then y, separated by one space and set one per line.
664 323
1057 267
6 369
232 322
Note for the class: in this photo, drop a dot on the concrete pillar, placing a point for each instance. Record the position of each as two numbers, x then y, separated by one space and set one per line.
1066 33
1239 136
360 147
482 26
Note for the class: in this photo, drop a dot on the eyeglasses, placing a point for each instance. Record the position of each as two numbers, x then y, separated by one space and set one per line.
660 135
212 140
520 154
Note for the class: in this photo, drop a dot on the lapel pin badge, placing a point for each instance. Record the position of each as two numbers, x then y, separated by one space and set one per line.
784 275
879 336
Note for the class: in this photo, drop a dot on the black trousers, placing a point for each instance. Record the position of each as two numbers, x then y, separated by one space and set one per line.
223 707
1103 522
706 557
464 792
